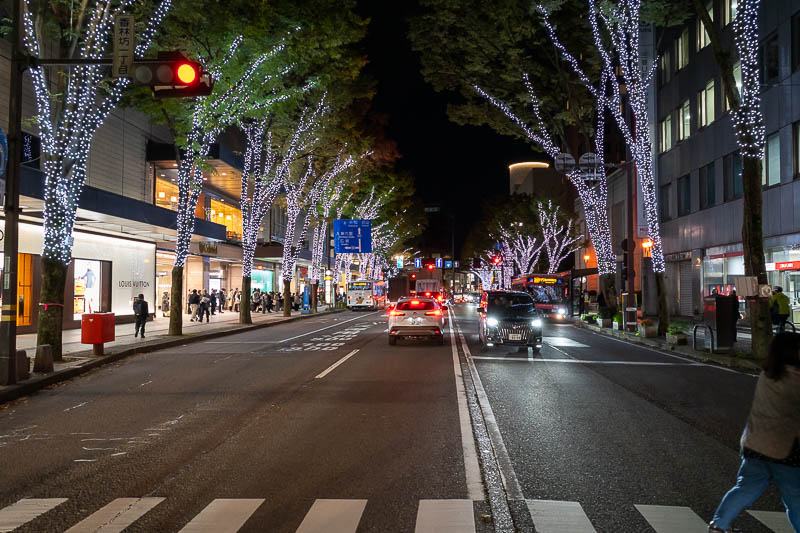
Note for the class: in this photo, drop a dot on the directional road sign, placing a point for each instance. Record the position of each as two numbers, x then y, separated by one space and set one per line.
352 236
417 262
438 262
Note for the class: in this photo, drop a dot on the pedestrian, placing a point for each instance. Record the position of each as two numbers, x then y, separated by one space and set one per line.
735 316
779 308
297 301
280 302
221 294
771 439
213 301
270 301
140 310
205 306
255 299
238 300
194 304
165 304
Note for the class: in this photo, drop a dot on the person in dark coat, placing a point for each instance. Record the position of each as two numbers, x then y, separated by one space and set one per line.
165 304
205 306
734 312
213 297
141 310
270 303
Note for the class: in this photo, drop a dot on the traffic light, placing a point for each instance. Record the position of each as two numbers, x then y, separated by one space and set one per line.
413 276
496 260
171 75
429 264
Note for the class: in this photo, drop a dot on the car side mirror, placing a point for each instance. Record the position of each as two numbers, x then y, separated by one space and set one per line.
481 309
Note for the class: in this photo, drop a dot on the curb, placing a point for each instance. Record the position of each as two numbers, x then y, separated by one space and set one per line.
735 363
33 385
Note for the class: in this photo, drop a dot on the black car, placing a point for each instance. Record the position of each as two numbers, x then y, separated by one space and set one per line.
509 318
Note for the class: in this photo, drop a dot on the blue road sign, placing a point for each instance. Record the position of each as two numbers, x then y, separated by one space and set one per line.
399 261
438 262
352 236
448 264
417 262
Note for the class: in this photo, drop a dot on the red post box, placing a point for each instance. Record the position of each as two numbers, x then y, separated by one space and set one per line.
96 329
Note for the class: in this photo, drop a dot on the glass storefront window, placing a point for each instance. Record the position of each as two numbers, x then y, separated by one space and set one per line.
262 280
228 216
167 197
713 275
86 287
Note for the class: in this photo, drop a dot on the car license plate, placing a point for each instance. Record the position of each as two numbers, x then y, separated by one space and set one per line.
515 336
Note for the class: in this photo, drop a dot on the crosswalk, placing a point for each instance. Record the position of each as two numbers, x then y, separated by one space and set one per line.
343 516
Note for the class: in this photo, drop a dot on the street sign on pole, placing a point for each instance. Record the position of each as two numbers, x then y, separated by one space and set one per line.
124 41
588 164
448 264
399 261
417 262
352 236
564 162
438 262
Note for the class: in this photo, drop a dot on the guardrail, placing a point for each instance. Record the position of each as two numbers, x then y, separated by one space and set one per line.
710 333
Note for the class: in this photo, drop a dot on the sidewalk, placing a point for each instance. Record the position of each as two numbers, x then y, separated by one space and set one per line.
78 357
739 358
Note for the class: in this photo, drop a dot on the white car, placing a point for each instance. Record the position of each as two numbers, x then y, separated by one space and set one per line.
416 317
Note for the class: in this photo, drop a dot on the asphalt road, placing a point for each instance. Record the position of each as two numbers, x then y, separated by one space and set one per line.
612 426
320 426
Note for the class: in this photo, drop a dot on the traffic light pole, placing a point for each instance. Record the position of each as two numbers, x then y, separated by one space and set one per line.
8 316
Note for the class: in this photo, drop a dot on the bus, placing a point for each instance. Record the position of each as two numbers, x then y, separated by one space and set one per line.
366 295
549 291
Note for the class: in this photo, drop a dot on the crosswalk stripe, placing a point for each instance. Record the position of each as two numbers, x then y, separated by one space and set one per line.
559 517
333 516
445 516
668 519
115 516
25 510
777 522
223 516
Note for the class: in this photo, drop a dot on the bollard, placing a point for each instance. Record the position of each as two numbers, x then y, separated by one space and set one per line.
23 366
44 359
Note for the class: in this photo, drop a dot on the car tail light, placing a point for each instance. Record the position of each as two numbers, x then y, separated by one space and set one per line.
414 302
436 312
396 313
427 294
439 298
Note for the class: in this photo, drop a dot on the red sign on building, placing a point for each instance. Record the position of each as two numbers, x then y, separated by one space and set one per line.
788 265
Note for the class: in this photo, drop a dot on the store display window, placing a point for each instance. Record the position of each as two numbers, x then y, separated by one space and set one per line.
227 215
90 287
166 196
24 287
262 280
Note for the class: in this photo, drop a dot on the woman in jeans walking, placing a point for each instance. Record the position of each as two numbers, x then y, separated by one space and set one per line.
771 438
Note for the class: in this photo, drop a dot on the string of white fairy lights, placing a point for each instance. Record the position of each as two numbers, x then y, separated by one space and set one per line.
748 119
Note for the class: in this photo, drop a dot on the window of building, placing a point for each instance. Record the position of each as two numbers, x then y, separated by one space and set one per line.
663 202
796 148
737 79
769 60
684 121
732 169
682 50
795 42
228 216
278 222
708 190
702 35
31 150
664 67
771 169
665 141
705 105
728 11
684 195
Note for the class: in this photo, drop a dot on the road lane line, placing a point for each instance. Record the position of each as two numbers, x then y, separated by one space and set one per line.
451 516
25 510
116 516
776 521
223 516
668 519
582 361
292 338
510 481
334 365
333 516
559 517
472 469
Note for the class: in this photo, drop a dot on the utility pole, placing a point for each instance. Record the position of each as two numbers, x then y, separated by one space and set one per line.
8 318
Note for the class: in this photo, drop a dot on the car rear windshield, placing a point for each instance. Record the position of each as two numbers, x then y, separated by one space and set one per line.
511 304
410 306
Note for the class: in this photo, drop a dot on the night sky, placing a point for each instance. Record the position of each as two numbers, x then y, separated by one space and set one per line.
454 166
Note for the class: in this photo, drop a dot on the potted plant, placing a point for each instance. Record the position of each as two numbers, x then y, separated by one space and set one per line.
589 318
647 328
676 334
604 317
619 323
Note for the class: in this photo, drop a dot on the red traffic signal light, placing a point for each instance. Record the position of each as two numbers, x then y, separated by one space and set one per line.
172 75
497 260
413 276
186 73
430 266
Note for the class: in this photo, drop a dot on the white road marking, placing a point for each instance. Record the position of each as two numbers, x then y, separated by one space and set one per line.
336 364
564 341
581 361
777 522
84 460
559 517
510 481
472 469
333 516
25 510
146 383
115 516
75 406
223 516
668 519
451 516
291 338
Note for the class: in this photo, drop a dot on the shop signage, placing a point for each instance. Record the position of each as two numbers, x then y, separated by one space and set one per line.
788 265
123 284
207 247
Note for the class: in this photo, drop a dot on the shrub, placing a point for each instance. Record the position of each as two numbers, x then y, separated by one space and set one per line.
604 312
677 328
618 317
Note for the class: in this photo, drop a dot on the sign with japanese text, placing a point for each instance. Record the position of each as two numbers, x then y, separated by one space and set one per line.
788 265
352 236
124 42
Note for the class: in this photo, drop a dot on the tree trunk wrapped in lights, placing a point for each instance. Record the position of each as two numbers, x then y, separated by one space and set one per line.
621 27
72 103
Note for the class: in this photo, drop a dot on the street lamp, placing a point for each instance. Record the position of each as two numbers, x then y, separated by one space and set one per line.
647 244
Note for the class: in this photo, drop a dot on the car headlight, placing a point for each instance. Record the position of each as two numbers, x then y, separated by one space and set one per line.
536 322
561 311
492 322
